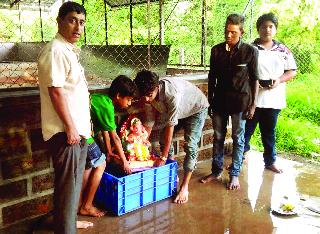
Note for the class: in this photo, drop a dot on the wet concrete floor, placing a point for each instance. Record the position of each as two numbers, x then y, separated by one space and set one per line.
214 209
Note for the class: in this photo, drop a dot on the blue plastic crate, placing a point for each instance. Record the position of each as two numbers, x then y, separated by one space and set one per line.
124 194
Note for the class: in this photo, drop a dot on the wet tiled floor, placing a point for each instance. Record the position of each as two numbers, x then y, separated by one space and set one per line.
214 209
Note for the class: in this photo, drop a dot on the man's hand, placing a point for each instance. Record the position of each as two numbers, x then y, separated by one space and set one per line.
126 167
250 111
72 136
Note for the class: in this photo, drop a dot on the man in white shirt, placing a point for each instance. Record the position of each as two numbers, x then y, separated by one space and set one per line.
65 114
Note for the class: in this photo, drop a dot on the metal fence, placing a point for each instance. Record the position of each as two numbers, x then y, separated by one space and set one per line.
122 37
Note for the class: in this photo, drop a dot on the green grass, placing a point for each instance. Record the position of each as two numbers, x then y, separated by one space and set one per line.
298 128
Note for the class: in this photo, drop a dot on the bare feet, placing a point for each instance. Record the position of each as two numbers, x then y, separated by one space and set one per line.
274 168
210 178
84 224
91 211
182 196
234 183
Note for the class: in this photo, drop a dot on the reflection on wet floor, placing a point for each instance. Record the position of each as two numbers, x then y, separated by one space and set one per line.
214 209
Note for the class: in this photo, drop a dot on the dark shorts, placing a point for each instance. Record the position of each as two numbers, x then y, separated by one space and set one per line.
94 156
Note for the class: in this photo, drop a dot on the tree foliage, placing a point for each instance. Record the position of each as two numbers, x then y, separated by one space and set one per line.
299 26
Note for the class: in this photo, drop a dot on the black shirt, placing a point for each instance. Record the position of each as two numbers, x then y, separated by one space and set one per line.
232 76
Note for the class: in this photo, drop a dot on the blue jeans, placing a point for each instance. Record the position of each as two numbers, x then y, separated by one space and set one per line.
192 126
94 156
220 121
267 119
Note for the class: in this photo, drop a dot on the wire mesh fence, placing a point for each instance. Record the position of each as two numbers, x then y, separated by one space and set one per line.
123 37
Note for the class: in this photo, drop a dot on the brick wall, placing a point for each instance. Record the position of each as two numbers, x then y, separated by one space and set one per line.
25 168
26 173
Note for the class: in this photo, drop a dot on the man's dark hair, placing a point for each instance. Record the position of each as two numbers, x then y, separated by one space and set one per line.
146 82
123 86
235 19
267 17
68 7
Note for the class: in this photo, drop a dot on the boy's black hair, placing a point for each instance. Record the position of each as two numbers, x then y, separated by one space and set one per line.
123 86
235 19
267 17
146 82
68 7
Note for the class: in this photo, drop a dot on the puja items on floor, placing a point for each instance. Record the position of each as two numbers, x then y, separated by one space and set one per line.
136 145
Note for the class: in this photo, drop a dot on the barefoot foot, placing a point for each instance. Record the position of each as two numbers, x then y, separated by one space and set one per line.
91 211
210 178
84 224
182 197
234 183
274 168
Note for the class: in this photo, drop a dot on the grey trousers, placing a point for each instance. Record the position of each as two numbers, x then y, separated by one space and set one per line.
68 163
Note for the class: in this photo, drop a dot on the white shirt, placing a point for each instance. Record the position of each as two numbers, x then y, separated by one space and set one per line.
272 64
58 66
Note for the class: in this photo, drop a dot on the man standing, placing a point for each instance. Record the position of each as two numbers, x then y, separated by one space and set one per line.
232 91
65 114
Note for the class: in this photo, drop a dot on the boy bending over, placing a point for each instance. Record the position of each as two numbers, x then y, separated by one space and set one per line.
172 100
120 95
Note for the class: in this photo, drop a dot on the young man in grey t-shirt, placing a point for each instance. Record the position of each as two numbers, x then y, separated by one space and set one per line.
172 100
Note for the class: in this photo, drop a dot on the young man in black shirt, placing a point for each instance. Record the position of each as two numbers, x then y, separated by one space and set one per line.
232 91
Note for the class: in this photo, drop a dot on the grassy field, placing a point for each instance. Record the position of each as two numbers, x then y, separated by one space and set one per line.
298 128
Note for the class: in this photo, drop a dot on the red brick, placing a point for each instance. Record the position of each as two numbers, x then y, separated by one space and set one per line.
181 145
205 154
14 141
12 191
27 209
42 182
16 166
207 124
21 110
32 115
207 139
40 160
24 164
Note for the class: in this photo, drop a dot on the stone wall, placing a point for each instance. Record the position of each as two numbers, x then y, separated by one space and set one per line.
26 172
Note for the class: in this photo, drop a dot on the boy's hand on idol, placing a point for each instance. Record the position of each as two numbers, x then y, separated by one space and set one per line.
114 155
159 162
126 167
